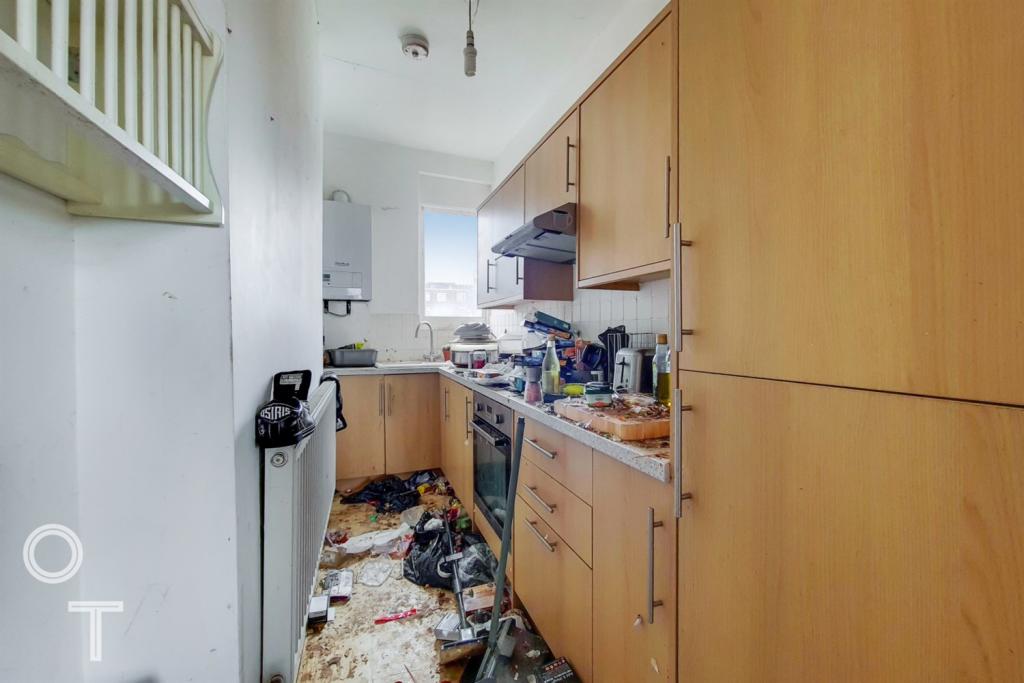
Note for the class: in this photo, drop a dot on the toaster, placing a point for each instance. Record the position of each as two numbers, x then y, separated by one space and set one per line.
634 371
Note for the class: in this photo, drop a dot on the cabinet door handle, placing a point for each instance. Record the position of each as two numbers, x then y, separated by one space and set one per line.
487 282
677 450
380 399
519 278
540 537
532 490
668 195
391 399
651 602
446 404
469 422
550 455
677 286
568 146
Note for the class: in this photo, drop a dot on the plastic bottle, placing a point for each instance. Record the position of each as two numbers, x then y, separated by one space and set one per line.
663 371
549 378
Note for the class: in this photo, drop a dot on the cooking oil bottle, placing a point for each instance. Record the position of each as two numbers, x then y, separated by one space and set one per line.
662 371
550 369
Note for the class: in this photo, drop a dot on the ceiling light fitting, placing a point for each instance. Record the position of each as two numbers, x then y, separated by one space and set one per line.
415 46
469 53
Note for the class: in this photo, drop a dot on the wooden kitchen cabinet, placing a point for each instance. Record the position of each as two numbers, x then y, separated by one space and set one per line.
625 158
554 585
457 438
845 535
551 170
503 281
633 641
853 203
412 423
361 447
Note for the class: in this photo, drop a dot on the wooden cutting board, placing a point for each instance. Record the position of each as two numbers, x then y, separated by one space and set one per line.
626 427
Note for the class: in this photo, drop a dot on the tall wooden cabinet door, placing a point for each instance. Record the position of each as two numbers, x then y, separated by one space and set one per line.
412 423
461 436
848 536
634 640
444 388
851 190
509 216
551 170
360 447
486 275
625 150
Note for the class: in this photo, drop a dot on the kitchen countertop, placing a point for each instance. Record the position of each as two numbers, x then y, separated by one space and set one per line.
651 458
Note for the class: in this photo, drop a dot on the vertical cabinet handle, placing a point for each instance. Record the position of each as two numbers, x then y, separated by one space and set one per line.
668 195
519 278
469 421
568 146
651 602
380 399
487 283
677 287
391 399
677 450
446 404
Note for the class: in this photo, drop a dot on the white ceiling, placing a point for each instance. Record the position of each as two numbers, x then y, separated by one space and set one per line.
372 90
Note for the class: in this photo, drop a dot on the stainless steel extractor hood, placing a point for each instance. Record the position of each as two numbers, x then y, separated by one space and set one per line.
550 236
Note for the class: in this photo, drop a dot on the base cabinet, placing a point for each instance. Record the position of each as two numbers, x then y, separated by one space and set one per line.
456 417
845 535
634 576
393 425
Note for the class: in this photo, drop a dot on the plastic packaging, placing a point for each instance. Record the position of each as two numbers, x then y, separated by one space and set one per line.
375 573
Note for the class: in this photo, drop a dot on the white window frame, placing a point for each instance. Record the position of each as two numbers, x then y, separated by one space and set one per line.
422 278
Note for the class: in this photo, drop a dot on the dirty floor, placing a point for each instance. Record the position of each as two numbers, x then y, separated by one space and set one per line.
352 647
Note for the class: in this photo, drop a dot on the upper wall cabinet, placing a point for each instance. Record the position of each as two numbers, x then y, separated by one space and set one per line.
105 106
504 281
853 203
551 170
625 159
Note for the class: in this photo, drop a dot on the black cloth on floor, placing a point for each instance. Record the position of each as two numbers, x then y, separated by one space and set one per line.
391 494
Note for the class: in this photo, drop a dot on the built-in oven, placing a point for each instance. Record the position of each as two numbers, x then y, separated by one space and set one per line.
492 458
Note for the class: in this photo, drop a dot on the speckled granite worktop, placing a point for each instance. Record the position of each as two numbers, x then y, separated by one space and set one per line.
649 457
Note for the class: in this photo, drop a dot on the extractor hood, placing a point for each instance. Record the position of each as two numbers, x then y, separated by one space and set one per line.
550 236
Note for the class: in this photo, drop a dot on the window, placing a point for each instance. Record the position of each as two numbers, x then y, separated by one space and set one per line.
449 264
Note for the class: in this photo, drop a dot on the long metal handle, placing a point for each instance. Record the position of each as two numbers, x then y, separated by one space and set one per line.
651 602
532 490
677 450
677 286
469 420
550 455
540 537
391 399
380 399
519 278
487 437
568 146
668 196
446 404
488 276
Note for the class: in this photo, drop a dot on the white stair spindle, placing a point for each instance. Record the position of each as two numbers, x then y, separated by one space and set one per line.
59 21
175 37
87 50
110 71
148 91
161 81
197 115
27 23
186 91
131 90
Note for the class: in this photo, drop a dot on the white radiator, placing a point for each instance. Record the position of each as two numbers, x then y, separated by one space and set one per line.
298 489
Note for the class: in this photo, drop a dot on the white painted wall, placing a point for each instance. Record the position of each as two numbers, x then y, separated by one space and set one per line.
396 181
588 65
38 470
133 356
276 228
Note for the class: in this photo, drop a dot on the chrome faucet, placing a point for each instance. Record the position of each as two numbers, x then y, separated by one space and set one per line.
432 355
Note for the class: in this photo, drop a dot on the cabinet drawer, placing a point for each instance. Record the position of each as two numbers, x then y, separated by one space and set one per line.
560 509
566 460
555 587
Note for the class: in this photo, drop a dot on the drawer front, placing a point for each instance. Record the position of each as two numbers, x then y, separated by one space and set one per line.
555 587
566 460
567 515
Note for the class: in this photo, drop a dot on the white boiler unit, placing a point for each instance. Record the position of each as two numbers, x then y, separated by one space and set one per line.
348 251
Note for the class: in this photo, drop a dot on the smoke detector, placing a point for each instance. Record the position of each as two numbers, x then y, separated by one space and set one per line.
415 46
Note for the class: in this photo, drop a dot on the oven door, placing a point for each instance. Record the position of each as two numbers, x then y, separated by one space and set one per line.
492 465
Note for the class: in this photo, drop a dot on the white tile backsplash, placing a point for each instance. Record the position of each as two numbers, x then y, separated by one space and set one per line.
593 311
